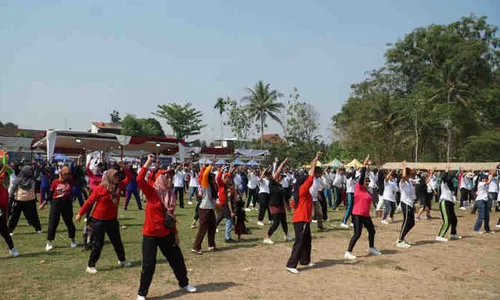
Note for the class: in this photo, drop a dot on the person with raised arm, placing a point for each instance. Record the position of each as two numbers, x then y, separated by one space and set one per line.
106 197
426 195
277 203
159 230
303 204
407 202
227 200
208 192
265 177
447 202
361 214
389 198
4 216
483 203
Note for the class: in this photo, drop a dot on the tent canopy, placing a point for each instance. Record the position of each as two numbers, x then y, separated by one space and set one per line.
61 157
440 166
208 161
354 163
318 164
238 162
252 163
334 163
221 162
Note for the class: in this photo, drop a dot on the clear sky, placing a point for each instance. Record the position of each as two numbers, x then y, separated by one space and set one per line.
72 62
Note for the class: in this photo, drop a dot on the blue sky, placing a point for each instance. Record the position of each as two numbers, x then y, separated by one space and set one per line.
71 62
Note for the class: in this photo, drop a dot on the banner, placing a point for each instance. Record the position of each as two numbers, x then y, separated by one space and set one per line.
51 143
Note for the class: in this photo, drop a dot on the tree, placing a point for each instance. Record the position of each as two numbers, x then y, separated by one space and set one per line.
302 120
133 126
262 102
220 106
238 120
184 120
115 117
439 87
25 134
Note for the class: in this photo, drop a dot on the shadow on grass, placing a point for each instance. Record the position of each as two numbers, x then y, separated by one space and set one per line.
423 243
235 245
34 254
204 288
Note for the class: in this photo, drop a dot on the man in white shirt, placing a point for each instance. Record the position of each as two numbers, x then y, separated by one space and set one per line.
338 182
179 177
253 189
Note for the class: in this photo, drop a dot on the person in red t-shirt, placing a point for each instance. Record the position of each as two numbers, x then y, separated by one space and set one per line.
4 230
159 229
361 214
301 251
61 204
106 197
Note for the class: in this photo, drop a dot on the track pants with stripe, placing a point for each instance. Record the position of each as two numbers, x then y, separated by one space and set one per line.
408 220
449 218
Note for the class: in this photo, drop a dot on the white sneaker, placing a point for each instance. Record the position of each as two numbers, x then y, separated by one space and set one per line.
384 222
189 288
327 220
260 223
374 251
268 241
403 244
14 252
349 256
248 209
74 244
441 239
49 247
39 232
352 225
217 230
455 237
269 222
344 225
498 226
91 270
288 238
311 265
477 232
141 298
11 234
463 208
314 221
125 264
190 203
292 270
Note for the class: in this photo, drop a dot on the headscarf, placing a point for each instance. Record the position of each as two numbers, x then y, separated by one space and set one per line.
107 181
25 178
166 195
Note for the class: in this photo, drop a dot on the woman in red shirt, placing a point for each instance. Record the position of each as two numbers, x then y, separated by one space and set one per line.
106 197
4 230
159 229
361 214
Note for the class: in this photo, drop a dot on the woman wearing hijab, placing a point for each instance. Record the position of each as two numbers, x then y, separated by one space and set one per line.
106 197
159 229
60 199
23 198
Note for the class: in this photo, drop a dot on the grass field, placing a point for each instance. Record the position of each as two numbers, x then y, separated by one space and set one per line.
465 269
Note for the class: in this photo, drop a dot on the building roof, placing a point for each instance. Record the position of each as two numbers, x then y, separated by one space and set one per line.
273 138
104 125
17 131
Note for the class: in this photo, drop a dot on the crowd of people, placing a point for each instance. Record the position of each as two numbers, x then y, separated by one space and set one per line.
219 193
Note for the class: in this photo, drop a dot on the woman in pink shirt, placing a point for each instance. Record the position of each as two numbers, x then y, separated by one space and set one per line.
361 214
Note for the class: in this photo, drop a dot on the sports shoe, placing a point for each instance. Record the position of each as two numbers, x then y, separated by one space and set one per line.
49 247
269 222
374 251
268 241
311 265
212 249
14 252
248 209
352 225
327 220
489 232
349 256
141 298
441 239
463 208
260 223
193 226
403 244
384 222
344 225
39 232
477 232
74 244
198 252
292 270
125 264
216 229
91 270
11 234
498 226
189 288
455 237
314 221
190 202
288 238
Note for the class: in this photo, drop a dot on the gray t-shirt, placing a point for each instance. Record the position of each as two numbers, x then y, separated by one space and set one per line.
207 201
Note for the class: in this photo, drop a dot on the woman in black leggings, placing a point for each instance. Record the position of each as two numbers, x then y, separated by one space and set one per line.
277 202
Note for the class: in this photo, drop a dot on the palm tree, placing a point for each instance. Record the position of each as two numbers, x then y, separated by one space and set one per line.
220 105
262 102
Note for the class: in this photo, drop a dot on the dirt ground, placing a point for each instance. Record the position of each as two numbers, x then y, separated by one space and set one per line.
464 269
